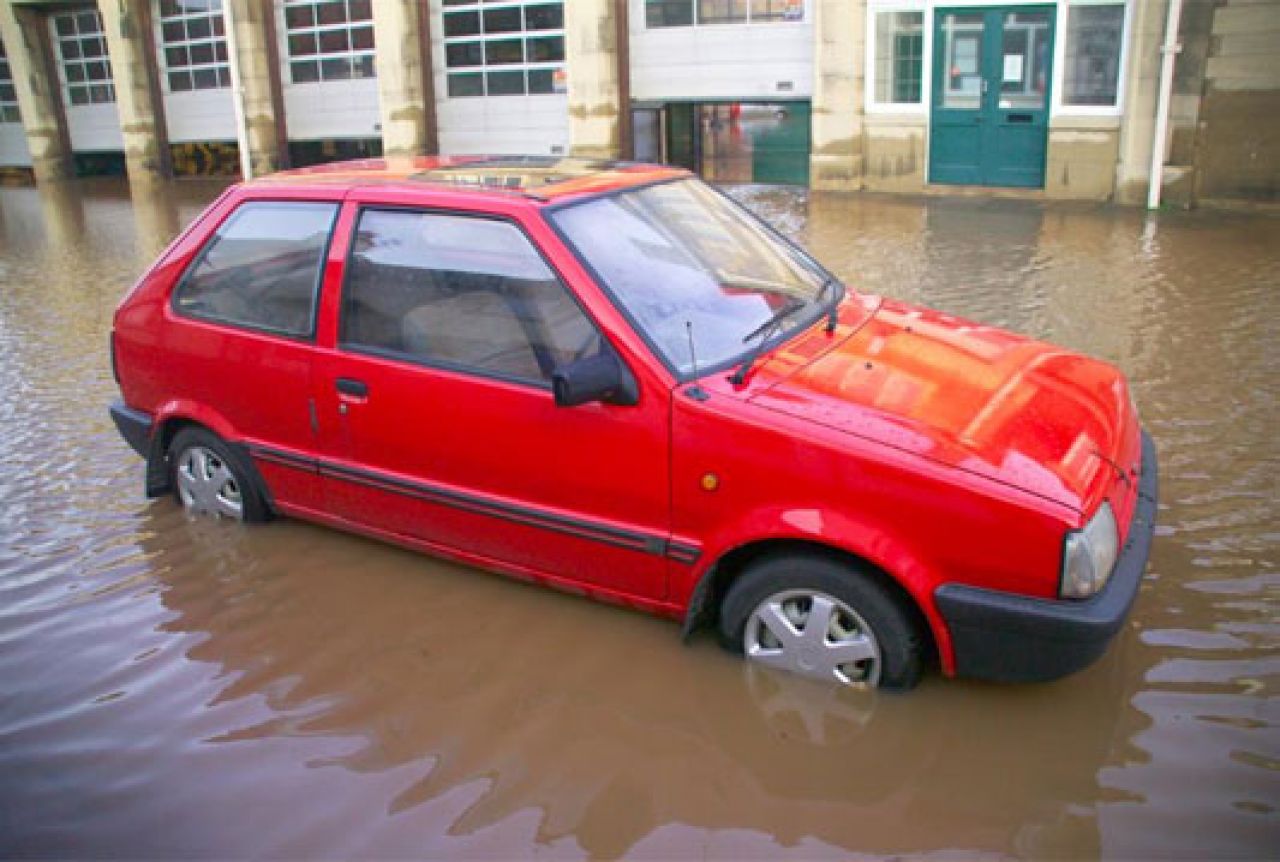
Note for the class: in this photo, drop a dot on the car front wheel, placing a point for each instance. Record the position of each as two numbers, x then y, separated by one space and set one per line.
823 619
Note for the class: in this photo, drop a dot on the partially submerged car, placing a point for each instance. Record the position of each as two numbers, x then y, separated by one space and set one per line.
611 378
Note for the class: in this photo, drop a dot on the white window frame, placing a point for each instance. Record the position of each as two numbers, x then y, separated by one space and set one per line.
1058 108
162 45
805 12
61 62
482 38
287 59
929 8
920 108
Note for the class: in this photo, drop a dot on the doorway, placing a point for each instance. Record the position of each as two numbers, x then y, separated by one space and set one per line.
989 118
728 142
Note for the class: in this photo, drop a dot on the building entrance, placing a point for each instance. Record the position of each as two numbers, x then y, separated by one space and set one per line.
989 117
732 142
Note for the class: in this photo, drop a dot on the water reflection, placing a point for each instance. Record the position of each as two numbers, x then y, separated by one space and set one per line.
170 687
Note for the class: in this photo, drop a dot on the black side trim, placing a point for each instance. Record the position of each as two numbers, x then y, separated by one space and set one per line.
134 426
632 540
1011 638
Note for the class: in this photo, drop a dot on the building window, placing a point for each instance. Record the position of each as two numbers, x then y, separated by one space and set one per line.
8 97
82 55
899 57
329 41
687 13
1091 72
193 47
509 50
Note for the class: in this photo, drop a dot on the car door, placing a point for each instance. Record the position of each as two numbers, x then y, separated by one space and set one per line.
440 420
239 342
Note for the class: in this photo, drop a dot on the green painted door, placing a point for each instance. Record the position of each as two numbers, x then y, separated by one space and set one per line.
989 121
780 149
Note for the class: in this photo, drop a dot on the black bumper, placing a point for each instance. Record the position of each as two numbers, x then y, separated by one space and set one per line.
1011 638
134 426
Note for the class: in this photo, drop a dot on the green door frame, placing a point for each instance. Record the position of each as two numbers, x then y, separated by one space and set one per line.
997 143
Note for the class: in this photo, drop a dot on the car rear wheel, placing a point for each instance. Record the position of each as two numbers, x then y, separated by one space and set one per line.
823 619
209 479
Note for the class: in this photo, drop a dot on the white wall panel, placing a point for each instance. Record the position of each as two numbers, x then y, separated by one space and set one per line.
13 145
766 60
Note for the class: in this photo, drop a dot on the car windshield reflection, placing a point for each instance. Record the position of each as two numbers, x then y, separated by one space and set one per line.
697 275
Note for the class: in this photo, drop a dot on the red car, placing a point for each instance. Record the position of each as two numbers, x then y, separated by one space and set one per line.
612 379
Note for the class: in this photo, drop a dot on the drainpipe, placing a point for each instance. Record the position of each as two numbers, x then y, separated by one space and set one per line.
1169 53
237 92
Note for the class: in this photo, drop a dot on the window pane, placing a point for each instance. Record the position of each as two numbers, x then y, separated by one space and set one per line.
205 79
463 54
542 81
333 12
505 83
504 51
334 42
262 268
335 69
502 20
549 49
668 13
722 11
302 44
1092 65
549 17
202 53
299 16
463 292
362 39
304 73
469 84
899 57
462 24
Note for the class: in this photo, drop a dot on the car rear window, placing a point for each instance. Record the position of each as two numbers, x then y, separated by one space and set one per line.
262 268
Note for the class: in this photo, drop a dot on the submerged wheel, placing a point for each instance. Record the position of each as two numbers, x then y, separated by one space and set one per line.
209 479
823 619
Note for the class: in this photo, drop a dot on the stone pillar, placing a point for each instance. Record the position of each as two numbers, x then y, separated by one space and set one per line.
406 98
253 31
26 41
1142 84
127 25
592 74
836 161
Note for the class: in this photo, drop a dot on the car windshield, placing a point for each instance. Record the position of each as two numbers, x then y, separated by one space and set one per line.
692 268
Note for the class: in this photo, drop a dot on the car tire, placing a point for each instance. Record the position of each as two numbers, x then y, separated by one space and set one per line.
870 637
209 477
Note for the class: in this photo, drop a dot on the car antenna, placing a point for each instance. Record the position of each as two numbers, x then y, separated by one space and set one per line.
696 392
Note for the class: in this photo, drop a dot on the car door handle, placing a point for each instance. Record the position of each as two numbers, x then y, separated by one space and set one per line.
354 388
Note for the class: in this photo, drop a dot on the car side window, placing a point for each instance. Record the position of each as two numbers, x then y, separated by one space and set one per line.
461 291
262 267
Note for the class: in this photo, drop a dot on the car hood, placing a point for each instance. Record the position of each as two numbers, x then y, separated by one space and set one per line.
1022 412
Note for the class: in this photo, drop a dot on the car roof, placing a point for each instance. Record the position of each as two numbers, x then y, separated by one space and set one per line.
540 178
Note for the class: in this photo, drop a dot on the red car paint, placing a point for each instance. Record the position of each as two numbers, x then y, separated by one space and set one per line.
942 451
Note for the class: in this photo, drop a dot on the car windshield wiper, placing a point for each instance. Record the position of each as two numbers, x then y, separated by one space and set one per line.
764 332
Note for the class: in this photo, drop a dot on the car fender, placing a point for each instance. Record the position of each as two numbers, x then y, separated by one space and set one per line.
851 533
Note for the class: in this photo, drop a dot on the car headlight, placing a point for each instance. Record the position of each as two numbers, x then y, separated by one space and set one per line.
1089 555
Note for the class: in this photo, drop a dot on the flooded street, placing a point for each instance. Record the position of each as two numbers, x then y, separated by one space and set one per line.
172 687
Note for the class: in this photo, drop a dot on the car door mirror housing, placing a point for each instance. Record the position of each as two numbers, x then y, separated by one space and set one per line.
602 377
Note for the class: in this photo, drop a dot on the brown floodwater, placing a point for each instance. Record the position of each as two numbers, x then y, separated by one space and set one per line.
171 687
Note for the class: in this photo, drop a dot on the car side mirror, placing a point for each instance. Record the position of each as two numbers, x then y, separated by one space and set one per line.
602 377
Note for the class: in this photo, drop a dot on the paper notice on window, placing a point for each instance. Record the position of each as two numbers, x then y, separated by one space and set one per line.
1013 68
